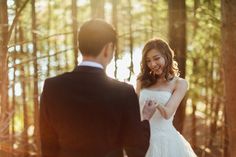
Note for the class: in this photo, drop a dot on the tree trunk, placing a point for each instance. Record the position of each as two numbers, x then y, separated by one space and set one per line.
114 22
57 58
226 134
65 54
97 8
4 105
49 41
210 95
13 103
195 82
229 59
177 40
75 29
35 64
3 55
23 87
214 119
194 125
194 106
131 40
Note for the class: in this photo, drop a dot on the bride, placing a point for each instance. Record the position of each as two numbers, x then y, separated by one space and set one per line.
159 83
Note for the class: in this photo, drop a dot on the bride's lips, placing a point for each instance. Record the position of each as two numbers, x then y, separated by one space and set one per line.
156 69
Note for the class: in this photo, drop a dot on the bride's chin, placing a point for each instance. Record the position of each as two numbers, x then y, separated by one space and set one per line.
158 74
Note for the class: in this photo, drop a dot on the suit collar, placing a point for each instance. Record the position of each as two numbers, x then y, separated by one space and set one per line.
89 69
91 63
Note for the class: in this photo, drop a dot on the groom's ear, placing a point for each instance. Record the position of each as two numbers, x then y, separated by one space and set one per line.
105 50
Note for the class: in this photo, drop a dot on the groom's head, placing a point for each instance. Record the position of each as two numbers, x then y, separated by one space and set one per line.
96 36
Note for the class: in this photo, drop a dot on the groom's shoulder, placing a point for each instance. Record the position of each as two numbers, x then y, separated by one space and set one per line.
57 79
120 85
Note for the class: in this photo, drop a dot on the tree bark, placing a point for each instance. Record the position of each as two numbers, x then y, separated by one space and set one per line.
3 55
75 29
57 57
13 103
229 59
35 64
131 40
195 82
65 54
23 87
177 40
194 106
114 22
49 41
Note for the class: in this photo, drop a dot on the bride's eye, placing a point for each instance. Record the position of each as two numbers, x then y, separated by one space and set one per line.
148 61
157 58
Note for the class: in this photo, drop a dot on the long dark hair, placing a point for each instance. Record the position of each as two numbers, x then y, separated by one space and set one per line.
146 77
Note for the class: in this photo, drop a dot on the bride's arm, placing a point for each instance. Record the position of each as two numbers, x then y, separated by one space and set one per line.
168 110
138 87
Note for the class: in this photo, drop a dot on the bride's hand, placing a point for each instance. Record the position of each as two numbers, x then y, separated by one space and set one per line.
158 106
148 110
162 110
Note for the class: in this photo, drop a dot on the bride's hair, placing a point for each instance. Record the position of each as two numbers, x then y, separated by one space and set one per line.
171 66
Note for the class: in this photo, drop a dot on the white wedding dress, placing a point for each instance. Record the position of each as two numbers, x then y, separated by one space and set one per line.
165 140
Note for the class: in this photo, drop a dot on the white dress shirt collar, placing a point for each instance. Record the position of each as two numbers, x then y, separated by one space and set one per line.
91 64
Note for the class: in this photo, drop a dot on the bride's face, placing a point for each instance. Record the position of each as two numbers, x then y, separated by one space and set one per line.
155 62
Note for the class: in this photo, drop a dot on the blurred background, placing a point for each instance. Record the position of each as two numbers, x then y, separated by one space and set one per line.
38 39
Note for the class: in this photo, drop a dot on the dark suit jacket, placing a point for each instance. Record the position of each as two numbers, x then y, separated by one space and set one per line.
84 113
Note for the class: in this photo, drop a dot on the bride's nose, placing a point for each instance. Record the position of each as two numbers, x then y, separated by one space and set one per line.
153 64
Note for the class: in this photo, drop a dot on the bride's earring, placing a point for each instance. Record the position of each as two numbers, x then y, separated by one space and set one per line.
152 73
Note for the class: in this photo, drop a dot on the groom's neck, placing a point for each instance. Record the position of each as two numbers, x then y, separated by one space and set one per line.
94 59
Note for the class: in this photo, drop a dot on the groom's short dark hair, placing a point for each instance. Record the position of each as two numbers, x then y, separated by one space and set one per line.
94 35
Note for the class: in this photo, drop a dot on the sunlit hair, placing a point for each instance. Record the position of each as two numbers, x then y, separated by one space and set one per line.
171 70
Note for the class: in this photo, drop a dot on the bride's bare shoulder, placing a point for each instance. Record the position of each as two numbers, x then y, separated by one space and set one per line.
181 83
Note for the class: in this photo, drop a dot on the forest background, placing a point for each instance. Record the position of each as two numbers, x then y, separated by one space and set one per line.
38 39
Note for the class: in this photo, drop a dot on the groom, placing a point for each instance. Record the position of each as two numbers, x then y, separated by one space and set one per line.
84 113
